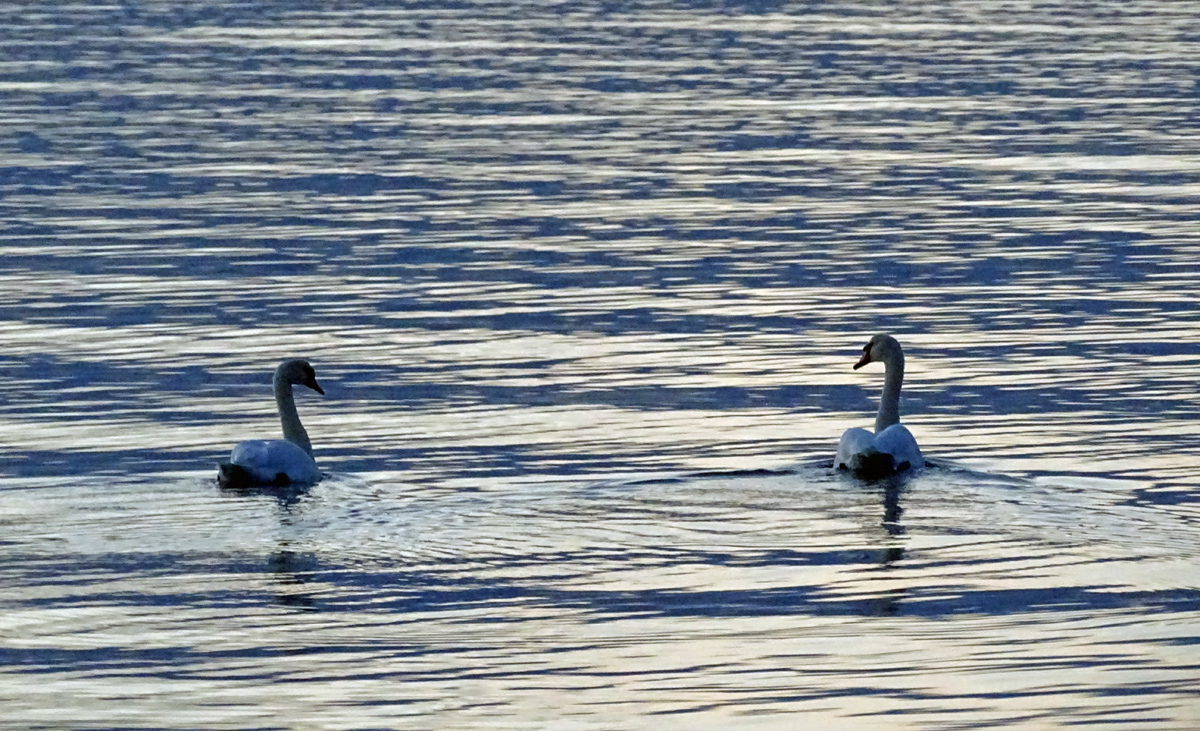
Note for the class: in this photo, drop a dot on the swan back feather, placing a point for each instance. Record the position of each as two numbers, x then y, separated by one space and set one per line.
275 461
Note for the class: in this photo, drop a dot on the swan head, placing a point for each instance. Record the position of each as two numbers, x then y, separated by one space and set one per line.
299 372
880 348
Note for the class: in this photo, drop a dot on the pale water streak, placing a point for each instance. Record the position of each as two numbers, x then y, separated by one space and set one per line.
549 261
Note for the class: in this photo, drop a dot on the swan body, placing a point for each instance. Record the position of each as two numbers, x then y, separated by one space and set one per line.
274 461
891 448
277 461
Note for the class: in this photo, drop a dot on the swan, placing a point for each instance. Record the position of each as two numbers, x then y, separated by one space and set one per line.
277 461
891 448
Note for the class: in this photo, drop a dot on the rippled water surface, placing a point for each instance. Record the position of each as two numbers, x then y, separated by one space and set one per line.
584 284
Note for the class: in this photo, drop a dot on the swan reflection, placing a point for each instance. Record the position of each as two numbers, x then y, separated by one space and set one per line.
292 571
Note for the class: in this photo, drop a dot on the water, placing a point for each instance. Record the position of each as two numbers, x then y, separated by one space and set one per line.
584 286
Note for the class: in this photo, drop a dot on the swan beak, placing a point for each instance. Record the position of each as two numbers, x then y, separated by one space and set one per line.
312 383
863 361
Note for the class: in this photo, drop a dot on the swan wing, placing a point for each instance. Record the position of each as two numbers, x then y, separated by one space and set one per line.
899 442
266 460
855 442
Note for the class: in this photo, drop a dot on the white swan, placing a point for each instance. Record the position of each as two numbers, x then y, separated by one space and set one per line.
892 447
277 461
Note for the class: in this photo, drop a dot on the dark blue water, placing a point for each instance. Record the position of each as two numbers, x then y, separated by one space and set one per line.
550 263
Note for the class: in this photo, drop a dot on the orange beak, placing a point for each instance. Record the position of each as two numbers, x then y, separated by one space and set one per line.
863 361
312 383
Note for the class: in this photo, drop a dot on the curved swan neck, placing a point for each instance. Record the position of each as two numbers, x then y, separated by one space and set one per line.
293 430
889 402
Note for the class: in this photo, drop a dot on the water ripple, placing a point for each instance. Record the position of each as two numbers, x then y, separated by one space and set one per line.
582 286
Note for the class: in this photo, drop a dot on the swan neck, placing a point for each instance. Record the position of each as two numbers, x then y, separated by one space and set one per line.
889 403
293 430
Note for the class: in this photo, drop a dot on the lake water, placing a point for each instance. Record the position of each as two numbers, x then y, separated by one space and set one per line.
584 284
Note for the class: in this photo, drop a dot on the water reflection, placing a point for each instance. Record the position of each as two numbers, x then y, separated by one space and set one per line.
891 522
292 571
888 602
